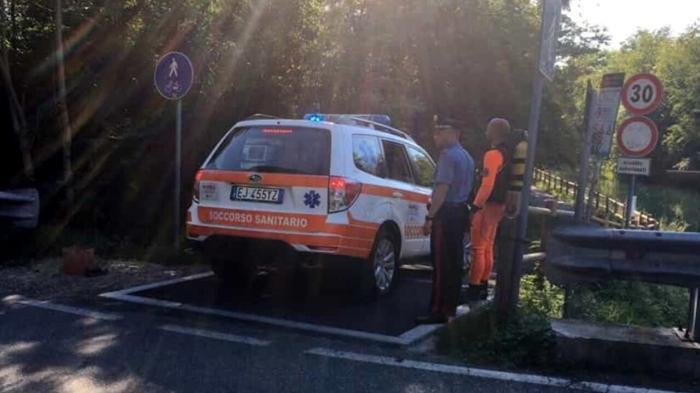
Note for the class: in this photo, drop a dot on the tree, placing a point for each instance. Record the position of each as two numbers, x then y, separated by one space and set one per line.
67 135
16 110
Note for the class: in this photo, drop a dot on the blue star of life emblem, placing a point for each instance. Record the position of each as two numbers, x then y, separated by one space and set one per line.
312 199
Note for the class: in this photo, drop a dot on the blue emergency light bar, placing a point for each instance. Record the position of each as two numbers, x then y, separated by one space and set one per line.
376 122
376 118
314 117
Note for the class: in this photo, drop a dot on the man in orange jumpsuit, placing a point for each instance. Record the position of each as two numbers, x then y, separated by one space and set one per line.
488 207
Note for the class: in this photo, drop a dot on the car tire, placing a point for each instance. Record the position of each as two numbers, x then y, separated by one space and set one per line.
230 263
381 270
232 272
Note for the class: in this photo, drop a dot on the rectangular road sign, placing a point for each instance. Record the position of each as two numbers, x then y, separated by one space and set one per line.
634 166
551 20
603 114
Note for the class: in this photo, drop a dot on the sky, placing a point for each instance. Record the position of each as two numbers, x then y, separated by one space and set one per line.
624 17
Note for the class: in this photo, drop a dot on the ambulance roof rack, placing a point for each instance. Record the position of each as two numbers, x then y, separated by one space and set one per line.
260 116
375 122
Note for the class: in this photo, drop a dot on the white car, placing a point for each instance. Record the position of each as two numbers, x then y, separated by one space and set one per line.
328 185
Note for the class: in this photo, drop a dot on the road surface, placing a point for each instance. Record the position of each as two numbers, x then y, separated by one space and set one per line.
107 345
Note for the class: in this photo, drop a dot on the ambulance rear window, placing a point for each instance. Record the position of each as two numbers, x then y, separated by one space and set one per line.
277 149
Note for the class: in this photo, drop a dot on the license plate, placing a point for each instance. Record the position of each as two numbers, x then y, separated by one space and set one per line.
257 194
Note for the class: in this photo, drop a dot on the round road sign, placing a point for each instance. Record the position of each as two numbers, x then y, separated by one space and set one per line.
637 137
174 75
642 94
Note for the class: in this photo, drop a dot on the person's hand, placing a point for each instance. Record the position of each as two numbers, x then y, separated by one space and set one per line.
427 227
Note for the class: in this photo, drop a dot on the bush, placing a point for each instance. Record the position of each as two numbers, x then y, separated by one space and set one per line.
481 337
631 303
539 296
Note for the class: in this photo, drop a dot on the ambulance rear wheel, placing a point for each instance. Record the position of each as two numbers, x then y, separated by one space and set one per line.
229 260
382 268
232 272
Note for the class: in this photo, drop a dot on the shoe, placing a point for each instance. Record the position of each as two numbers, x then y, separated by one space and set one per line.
484 291
431 319
463 291
473 294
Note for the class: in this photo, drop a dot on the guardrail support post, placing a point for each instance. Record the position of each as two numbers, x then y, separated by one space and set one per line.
693 331
505 269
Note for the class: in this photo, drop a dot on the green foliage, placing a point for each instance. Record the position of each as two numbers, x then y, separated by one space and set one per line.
676 61
470 59
631 303
526 341
539 296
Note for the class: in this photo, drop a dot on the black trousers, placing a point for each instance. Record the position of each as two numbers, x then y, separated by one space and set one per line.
447 254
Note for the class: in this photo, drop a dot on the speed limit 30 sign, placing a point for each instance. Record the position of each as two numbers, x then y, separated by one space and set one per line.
642 94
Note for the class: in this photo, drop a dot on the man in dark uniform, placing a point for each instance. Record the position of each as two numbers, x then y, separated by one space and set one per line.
447 221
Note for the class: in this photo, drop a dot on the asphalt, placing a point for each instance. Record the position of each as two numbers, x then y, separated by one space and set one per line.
45 351
335 303
122 347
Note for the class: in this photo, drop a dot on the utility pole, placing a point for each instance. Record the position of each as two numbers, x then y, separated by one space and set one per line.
549 34
61 100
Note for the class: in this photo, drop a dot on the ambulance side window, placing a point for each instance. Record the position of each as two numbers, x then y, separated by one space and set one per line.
367 155
423 167
397 162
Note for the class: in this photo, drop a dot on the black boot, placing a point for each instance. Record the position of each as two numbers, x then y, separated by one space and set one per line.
431 319
473 292
484 291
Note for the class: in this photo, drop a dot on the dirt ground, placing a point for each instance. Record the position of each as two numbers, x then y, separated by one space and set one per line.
43 279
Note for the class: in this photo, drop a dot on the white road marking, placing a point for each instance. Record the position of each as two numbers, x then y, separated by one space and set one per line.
407 338
215 335
62 308
419 332
480 373
159 284
261 319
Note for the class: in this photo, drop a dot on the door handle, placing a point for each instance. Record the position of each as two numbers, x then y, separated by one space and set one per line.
397 194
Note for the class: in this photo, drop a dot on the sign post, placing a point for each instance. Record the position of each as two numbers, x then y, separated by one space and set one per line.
601 126
585 153
173 78
508 286
638 136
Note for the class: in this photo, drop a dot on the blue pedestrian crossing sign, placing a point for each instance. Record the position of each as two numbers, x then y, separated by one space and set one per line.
174 75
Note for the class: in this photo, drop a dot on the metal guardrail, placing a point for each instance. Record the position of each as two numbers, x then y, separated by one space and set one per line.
19 208
580 254
613 210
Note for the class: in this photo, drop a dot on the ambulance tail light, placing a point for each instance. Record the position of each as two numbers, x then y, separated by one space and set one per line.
195 187
342 193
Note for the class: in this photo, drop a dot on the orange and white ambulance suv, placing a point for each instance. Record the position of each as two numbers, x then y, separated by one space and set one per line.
328 185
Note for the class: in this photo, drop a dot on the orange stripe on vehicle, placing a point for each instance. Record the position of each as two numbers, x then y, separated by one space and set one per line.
261 219
268 179
364 224
358 243
354 252
318 241
310 223
388 192
413 231
341 245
